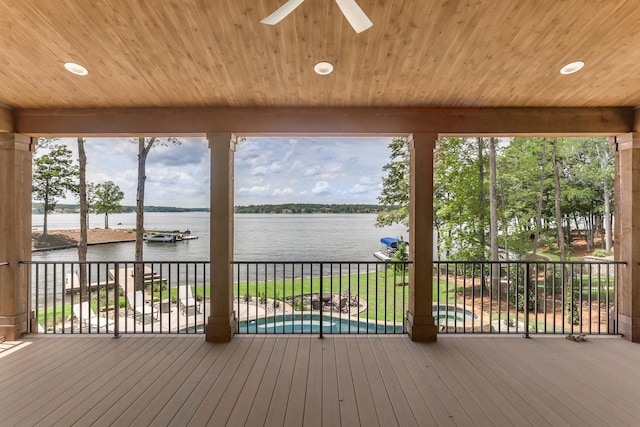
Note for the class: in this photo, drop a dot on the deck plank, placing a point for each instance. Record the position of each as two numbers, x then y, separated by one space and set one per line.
103 392
346 391
139 397
18 375
249 393
215 379
330 403
301 380
519 394
425 402
60 405
278 406
66 376
568 398
298 389
184 387
313 397
266 390
392 385
364 400
499 410
167 389
382 402
219 404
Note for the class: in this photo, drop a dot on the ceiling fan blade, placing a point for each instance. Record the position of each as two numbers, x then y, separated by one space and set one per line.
356 17
282 12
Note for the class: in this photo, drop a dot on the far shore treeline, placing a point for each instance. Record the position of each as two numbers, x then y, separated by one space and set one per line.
293 208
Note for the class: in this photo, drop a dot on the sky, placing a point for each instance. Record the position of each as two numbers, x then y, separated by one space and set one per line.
268 170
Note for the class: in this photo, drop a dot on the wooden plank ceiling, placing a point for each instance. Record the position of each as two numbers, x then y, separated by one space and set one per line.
423 53
216 53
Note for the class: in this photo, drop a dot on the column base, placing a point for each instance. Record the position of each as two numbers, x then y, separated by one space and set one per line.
629 327
12 328
421 329
220 329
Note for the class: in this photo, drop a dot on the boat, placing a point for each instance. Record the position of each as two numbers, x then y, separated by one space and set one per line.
389 247
186 235
161 238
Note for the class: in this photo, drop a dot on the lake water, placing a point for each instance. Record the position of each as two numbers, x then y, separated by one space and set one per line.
258 237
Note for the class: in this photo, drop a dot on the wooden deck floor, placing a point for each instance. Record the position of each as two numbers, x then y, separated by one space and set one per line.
302 380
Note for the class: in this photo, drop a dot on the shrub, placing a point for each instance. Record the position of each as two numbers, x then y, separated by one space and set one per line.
298 304
602 253
517 285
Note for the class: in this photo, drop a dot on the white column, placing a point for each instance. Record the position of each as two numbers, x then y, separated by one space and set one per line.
221 324
419 321
15 232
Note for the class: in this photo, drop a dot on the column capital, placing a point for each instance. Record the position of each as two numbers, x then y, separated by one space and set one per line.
221 139
15 141
422 139
627 141
6 120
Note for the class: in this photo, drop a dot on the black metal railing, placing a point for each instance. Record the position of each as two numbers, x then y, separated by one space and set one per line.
324 297
119 297
526 297
320 297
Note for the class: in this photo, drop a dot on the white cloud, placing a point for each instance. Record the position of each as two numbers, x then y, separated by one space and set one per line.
322 187
267 170
255 190
284 192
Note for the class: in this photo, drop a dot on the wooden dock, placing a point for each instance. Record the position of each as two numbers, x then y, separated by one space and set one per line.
125 279
72 283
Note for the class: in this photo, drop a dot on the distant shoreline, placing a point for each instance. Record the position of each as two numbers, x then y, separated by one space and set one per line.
282 208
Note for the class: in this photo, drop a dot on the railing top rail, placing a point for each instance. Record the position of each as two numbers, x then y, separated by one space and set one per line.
534 262
321 262
114 262
207 261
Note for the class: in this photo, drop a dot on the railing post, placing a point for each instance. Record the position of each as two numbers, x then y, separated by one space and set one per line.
320 295
526 300
116 299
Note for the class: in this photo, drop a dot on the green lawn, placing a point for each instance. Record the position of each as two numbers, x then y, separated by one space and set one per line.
386 296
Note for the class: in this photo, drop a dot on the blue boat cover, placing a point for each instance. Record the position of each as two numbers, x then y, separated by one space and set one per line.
389 241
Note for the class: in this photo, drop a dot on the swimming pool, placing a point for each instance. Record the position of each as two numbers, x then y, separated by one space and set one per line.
447 312
307 323
456 319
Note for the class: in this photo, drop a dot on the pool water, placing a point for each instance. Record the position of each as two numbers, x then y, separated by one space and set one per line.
444 313
311 324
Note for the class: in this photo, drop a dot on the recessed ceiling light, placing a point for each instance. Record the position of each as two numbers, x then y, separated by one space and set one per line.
572 68
77 69
323 68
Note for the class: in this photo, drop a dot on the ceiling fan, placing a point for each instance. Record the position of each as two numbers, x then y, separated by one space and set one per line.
350 9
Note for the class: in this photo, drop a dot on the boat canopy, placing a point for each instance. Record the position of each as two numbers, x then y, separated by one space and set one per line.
389 241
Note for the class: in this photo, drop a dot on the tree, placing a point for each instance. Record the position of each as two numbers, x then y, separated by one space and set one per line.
84 214
493 215
395 186
54 175
459 218
144 147
107 200
482 236
556 179
543 176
